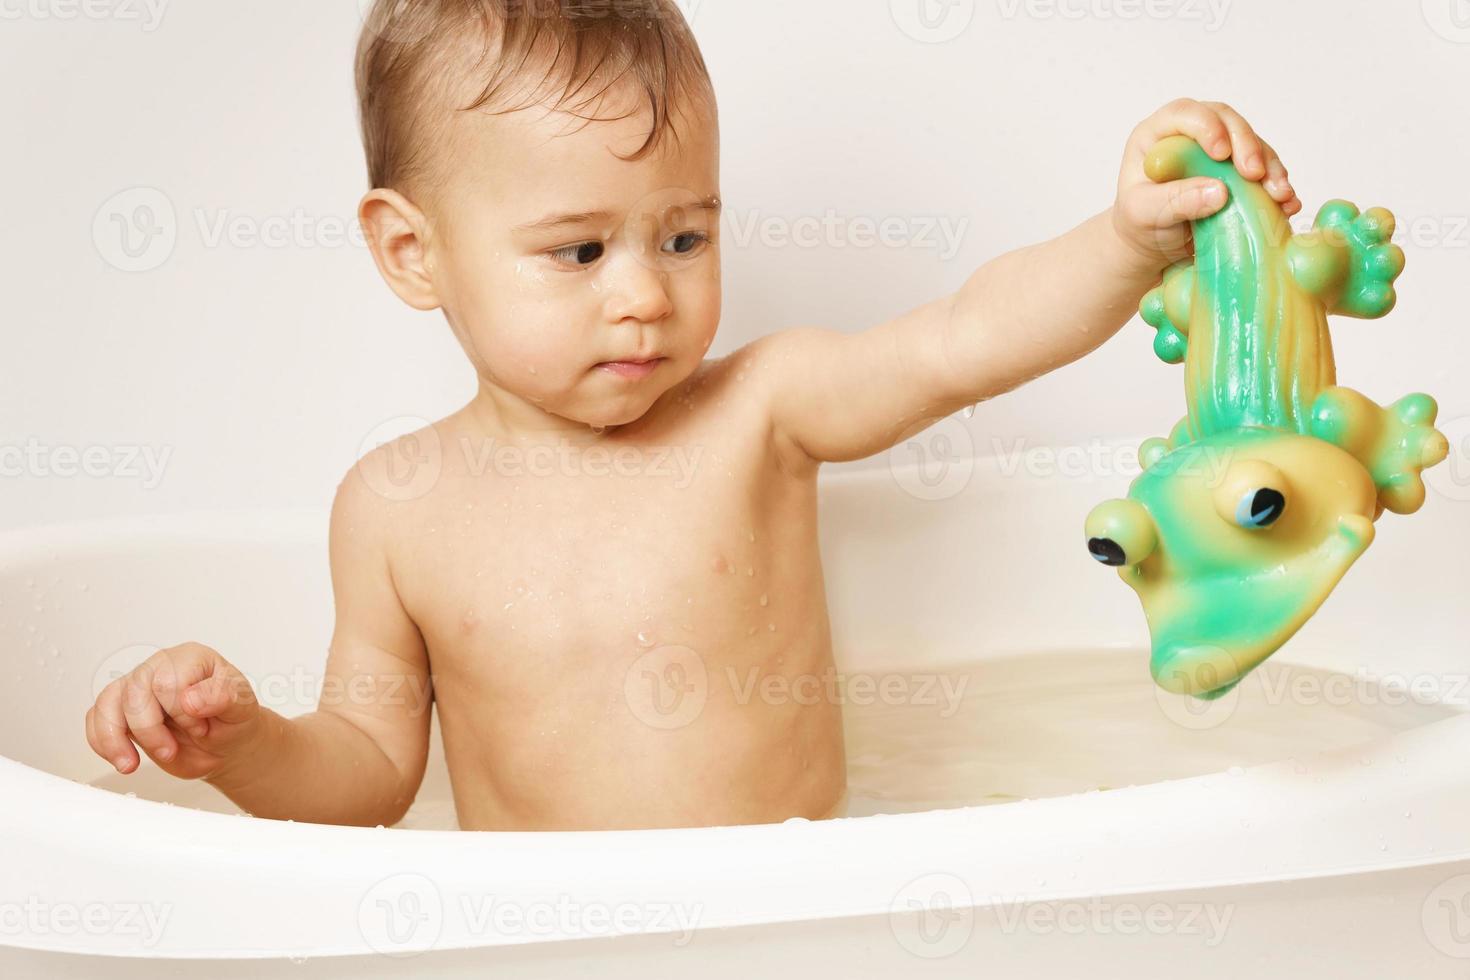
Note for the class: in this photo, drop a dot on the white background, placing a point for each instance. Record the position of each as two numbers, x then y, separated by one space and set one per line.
259 370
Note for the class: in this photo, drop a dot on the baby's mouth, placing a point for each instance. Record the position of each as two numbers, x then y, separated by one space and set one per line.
632 369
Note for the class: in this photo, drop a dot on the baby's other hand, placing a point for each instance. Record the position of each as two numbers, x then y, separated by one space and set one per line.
1152 220
186 706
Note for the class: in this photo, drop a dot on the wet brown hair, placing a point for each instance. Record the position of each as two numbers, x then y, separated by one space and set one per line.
412 59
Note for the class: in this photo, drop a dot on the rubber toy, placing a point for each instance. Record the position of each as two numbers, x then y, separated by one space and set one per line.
1247 516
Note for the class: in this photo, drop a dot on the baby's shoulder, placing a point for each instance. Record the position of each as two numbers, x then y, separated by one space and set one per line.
393 471
763 363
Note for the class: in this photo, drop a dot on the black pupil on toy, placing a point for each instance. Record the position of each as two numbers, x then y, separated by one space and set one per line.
1106 550
1266 506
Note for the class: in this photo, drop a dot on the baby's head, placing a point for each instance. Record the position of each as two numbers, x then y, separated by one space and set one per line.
547 173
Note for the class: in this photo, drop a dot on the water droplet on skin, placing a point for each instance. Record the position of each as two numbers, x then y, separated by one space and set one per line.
765 599
750 571
969 412
750 632
771 627
645 639
750 535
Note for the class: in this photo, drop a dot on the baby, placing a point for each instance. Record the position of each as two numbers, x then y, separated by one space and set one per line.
584 566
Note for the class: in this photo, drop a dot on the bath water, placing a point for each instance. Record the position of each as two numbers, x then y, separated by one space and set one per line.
1038 725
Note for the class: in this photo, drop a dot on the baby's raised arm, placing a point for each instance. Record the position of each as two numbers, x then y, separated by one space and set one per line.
357 759
842 396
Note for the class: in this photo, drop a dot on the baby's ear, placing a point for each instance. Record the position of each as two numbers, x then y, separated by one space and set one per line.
395 230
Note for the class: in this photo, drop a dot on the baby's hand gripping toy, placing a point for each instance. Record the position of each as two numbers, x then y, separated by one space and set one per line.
1248 515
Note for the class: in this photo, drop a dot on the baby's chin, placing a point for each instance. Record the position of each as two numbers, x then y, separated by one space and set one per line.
605 411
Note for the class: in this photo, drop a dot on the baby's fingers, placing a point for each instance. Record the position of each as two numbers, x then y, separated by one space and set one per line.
145 716
223 695
1190 118
1163 206
107 729
1277 184
1246 148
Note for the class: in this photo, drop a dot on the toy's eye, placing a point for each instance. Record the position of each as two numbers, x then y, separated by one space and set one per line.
1252 494
1120 532
1107 551
1260 507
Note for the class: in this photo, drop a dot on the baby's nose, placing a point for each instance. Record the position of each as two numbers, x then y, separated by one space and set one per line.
639 293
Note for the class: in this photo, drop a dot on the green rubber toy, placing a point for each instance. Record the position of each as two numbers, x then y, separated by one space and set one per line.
1249 514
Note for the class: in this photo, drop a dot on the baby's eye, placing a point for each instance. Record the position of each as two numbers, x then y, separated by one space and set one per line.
685 243
581 254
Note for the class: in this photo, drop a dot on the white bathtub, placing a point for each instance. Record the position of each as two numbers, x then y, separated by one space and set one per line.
1348 863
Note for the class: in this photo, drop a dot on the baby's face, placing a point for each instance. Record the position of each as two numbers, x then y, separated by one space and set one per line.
554 259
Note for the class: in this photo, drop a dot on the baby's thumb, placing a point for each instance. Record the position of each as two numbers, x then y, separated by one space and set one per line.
1179 201
225 696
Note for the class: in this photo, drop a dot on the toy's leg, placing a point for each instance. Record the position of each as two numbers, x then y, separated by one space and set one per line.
1154 450
1166 309
1394 444
1348 260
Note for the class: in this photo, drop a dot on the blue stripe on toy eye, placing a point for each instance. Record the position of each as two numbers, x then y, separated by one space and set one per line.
1260 508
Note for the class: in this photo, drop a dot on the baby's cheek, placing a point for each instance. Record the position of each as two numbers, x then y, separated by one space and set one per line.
702 319
517 354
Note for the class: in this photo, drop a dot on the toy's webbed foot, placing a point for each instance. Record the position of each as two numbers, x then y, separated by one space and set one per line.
1166 309
1153 450
1394 444
1348 260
